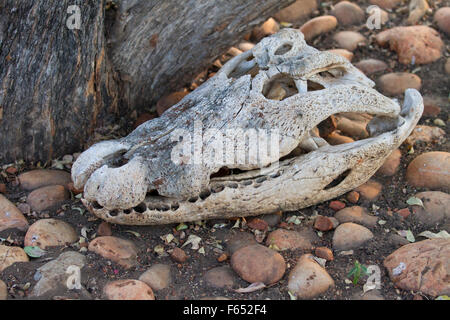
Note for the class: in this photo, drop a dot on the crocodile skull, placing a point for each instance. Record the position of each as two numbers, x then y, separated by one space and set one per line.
281 86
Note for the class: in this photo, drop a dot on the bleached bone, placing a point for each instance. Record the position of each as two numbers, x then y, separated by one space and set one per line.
281 85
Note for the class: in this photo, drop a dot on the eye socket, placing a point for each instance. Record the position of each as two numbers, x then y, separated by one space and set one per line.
283 49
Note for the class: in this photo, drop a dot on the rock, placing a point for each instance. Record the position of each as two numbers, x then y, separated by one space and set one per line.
128 289
11 255
371 66
104 229
390 166
297 12
240 240
353 128
417 9
442 19
430 170
353 197
2 188
422 266
404 213
257 263
47 197
271 219
144 117
220 277
386 4
350 235
370 190
179 255
421 42
447 66
432 105
50 233
121 251
266 29
436 208
324 253
369 295
282 239
356 214
425 134
348 13
308 279
336 139
10 216
54 274
3 291
397 240
168 101
158 276
396 83
258 224
41 178
318 26
337 205
343 53
245 46
323 223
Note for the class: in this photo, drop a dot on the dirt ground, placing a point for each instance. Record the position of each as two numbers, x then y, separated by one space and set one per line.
187 279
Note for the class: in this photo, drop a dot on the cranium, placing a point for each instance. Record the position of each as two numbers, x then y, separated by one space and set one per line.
282 85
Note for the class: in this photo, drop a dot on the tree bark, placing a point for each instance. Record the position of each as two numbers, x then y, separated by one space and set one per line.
57 85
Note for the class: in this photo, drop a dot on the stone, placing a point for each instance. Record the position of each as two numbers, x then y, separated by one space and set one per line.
356 214
245 46
421 42
158 276
337 205
371 66
343 53
323 223
10 216
143 117
297 12
422 266
353 197
390 166
370 190
50 233
324 253
178 255
404 213
220 277
417 9
11 255
447 66
121 251
2 188
240 240
42 177
55 273
318 26
47 197
128 289
271 219
430 170
432 105
425 134
348 236
386 4
442 19
353 128
269 27
348 13
168 101
257 224
436 207
396 83
336 139
3 291
282 239
257 263
104 229
308 279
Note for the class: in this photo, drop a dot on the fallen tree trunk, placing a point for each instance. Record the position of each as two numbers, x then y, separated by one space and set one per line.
58 83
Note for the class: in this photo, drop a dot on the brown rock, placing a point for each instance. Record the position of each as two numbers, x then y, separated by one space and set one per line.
10 216
266 29
50 233
179 255
297 12
390 166
257 263
324 253
3 291
308 279
144 117
447 66
396 83
417 9
168 101
11 255
430 170
421 42
337 205
336 139
11 170
158 276
245 46
104 229
257 224
442 19
41 178
75 191
356 214
343 53
47 197
220 277
240 240
371 66
436 207
348 236
423 266
323 223
283 239
121 251
432 105
370 190
352 128
348 13
386 4
425 134
353 197
318 26
2 188
128 290
223 257
404 213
